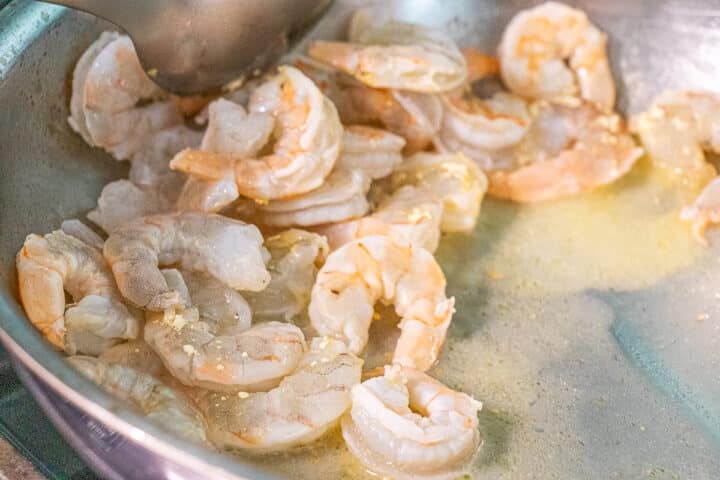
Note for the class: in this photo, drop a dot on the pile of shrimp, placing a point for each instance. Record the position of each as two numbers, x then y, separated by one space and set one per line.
237 269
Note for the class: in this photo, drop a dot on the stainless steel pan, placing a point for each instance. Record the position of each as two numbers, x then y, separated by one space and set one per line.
48 174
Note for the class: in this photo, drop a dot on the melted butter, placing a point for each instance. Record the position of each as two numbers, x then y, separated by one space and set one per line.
531 342
624 236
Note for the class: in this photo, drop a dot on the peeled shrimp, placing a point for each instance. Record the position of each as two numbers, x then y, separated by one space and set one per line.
108 83
677 130
296 256
358 274
122 201
397 55
210 343
414 116
75 228
135 354
149 396
478 128
305 405
410 215
341 197
229 250
407 425
704 211
50 265
374 151
231 132
538 42
567 150
452 178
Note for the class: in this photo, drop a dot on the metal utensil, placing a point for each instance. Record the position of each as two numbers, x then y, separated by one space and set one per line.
193 46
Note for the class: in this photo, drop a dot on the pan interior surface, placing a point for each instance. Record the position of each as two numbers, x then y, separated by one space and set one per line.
588 326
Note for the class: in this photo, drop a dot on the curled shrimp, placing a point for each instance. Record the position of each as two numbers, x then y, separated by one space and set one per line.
567 150
414 116
358 274
374 151
341 197
231 132
135 354
210 343
307 141
303 407
396 55
409 215
677 130
705 210
407 425
538 42
108 84
452 178
122 201
150 397
229 250
50 265
295 257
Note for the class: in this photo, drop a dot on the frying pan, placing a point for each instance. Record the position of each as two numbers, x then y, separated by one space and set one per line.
47 174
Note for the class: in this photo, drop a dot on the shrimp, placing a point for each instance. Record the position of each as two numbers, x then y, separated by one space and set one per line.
397 55
296 256
409 215
358 274
305 405
407 425
538 42
307 144
677 129
374 151
478 128
567 150
122 201
452 178
231 132
50 265
210 343
108 84
150 397
705 210
135 354
229 250
75 228
414 116
342 196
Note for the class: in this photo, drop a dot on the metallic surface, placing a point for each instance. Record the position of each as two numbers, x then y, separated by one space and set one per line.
48 174
192 46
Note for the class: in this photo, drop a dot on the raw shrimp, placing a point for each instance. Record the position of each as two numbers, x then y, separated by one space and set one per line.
454 179
75 228
50 265
122 201
397 55
677 130
296 256
150 397
374 151
414 116
358 274
407 425
135 354
305 405
410 215
341 197
478 128
231 132
567 150
704 211
108 84
538 42
227 249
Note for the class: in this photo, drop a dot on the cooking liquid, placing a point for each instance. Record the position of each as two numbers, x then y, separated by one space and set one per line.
533 340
